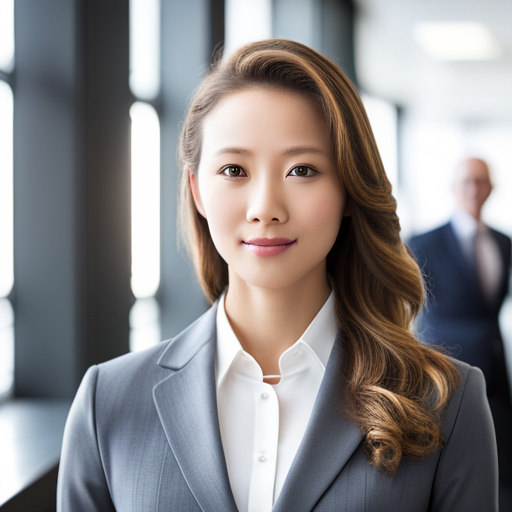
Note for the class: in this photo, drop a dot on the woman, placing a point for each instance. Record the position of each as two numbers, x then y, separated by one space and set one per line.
302 388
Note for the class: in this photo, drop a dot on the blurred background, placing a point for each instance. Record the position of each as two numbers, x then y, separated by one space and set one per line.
91 97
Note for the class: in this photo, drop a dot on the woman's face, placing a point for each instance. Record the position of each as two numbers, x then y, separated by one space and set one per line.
267 186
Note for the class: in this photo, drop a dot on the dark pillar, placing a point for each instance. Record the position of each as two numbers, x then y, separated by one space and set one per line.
325 25
337 40
71 191
105 173
217 25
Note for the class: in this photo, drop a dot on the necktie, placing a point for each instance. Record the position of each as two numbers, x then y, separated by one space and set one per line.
484 263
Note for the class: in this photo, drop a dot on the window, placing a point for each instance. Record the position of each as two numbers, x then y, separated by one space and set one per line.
145 172
383 118
246 21
7 35
6 197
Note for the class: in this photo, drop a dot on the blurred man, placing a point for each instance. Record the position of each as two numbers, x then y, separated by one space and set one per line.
467 266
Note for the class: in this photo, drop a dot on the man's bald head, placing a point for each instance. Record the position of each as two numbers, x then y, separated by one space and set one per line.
472 186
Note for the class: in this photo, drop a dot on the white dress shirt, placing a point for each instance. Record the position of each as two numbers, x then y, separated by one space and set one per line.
262 425
480 247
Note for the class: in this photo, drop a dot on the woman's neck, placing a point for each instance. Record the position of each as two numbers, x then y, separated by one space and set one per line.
269 321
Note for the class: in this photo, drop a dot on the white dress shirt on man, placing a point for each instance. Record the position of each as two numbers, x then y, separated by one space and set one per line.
262 425
480 247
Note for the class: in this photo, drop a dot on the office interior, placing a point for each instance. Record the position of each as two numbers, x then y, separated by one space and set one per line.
91 98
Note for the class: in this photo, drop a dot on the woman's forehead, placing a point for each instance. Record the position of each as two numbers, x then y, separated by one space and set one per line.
256 118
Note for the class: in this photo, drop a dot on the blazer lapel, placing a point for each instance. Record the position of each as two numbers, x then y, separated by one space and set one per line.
504 248
187 406
328 444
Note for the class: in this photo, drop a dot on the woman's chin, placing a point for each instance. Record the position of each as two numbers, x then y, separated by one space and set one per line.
270 278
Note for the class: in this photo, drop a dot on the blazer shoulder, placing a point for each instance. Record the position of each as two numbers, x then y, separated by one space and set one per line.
425 239
128 375
466 478
501 236
503 241
422 246
470 394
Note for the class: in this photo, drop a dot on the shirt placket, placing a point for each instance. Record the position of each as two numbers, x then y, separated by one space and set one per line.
266 437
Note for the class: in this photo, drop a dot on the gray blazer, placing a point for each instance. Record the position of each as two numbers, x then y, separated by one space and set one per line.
143 435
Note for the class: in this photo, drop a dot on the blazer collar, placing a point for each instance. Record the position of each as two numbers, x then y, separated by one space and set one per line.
504 247
189 342
187 406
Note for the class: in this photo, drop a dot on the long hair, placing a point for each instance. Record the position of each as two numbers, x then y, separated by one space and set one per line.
396 388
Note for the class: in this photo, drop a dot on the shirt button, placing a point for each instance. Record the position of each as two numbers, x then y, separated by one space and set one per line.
264 396
297 353
262 458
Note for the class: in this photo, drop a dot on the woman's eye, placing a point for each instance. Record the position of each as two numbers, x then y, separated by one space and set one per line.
234 171
302 170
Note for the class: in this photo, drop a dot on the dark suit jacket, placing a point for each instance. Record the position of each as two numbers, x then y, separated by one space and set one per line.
143 435
457 315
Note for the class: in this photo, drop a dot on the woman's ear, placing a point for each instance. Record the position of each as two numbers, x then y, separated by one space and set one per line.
194 188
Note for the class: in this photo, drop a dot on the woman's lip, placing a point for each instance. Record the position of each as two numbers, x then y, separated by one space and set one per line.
268 247
265 242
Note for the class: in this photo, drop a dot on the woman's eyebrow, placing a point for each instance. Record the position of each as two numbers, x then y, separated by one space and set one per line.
296 150
237 151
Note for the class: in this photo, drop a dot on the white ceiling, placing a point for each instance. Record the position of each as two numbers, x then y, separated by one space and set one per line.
390 64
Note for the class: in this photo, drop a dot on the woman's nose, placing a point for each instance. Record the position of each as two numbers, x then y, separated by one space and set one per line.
266 204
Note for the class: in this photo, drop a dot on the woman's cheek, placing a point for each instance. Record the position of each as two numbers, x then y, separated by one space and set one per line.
323 209
224 220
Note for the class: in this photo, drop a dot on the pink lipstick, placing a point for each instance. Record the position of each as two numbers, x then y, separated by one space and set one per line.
267 247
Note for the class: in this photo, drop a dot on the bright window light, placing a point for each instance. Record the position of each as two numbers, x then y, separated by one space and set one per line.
457 41
247 21
383 118
6 191
144 324
7 35
145 200
145 48
6 347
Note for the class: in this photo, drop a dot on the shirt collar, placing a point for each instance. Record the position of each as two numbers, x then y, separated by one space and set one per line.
464 225
319 337
228 345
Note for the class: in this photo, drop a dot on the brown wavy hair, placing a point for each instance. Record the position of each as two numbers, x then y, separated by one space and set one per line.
396 388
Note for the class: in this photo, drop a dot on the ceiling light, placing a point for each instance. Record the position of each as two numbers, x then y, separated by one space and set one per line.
457 41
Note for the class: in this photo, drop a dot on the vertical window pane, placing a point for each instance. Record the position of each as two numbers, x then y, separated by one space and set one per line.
145 48
6 191
7 35
246 21
383 118
6 347
144 324
145 200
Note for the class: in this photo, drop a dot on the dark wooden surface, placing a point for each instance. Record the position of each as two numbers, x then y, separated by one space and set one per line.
41 496
30 442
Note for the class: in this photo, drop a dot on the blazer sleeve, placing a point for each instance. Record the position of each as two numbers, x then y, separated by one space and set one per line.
82 485
467 475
